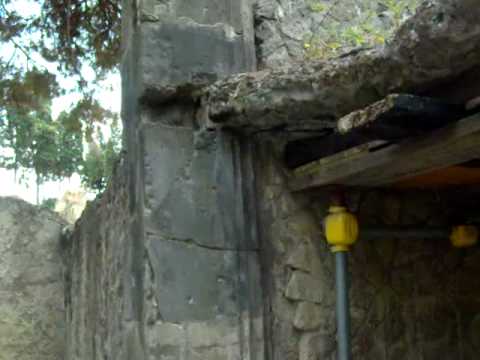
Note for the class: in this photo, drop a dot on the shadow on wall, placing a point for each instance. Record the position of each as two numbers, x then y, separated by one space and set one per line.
410 299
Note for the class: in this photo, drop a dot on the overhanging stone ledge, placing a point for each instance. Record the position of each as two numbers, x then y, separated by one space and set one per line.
438 44
433 48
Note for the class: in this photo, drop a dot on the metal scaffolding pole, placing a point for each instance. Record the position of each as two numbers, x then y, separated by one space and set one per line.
343 306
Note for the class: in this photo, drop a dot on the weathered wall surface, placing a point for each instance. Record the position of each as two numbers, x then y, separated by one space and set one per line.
411 299
203 292
171 262
165 265
289 31
99 284
32 323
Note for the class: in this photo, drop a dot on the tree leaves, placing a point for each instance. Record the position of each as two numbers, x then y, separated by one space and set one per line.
40 144
31 91
100 160
71 34
82 31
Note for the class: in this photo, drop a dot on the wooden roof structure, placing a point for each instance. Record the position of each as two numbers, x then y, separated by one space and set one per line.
433 159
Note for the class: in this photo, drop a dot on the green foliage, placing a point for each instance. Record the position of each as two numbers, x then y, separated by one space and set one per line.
71 34
36 142
369 23
68 32
100 159
317 6
49 203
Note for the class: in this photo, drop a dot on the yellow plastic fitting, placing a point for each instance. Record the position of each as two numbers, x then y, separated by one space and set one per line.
463 236
341 229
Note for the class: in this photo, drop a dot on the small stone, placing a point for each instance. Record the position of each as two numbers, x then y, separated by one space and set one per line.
303 224
217 333
303 287
315 346
300 258
309 316
166 335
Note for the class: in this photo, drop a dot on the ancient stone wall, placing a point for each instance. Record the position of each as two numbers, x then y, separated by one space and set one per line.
411 299
100 312
288 31
198 250
165 265
32 325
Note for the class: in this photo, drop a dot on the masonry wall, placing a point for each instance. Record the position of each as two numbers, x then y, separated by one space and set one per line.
100 295
198 250
165 265
289 31
32 325
411 299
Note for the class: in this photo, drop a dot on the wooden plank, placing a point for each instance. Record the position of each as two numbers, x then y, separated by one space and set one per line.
396 117
451 145
402 115
304 151
350 154
450 176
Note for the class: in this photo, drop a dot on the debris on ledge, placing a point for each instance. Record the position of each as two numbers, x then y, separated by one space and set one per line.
401 115
435 46
396 117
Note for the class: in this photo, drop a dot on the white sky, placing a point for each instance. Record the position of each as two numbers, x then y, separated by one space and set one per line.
110 99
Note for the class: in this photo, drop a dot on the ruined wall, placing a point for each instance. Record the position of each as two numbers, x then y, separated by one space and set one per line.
165 265
183 258
289 31
411 299
99 289
32 323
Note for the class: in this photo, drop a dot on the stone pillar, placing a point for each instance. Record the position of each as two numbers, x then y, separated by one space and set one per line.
195 245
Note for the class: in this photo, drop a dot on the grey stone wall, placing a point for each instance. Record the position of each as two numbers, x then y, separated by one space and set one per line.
203 278
198 250
411 299
165 265
32 325
100 292
288 31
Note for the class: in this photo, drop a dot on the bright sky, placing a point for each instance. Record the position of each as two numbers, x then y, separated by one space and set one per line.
110 98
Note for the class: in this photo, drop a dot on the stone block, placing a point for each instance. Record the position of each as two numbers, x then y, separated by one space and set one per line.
300 258
315 346
219 333
192 194
194 283
304 287
309 316
32 325
181 51
214 353
167 335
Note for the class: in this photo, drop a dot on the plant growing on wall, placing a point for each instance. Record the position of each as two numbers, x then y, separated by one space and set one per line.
365 24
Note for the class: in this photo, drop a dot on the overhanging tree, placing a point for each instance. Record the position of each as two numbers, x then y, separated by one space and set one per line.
71 35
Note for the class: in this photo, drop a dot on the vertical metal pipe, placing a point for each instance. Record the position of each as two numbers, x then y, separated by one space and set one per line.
343 306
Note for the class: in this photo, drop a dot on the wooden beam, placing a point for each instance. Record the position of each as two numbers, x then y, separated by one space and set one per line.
401 115
304 151
451 145
457 175
396 117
